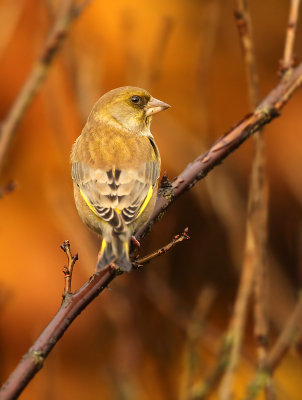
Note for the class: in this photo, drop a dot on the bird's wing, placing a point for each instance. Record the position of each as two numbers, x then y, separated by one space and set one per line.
116 193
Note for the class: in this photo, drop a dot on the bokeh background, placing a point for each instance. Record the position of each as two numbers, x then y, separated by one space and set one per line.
131 342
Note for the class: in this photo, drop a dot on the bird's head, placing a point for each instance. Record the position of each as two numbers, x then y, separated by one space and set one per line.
129 107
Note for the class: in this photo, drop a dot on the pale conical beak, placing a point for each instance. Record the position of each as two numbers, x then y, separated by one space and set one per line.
155 106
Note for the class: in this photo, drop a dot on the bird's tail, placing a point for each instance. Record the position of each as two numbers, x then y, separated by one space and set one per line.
115 251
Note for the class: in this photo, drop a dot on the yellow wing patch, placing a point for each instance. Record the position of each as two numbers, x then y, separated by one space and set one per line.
88 204
147 199
144 205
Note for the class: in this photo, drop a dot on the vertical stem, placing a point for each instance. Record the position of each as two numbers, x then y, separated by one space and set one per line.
253 267
287 61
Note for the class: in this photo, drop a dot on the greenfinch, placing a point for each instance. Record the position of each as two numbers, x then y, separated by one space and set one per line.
115 169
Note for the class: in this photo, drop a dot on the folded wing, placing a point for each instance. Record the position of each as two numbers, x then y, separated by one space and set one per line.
117 196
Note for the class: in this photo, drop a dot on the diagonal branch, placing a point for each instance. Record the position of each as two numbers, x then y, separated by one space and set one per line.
198 169
68 12
73 305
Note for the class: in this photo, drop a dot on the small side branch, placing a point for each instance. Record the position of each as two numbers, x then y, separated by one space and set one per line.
68 270
163 250
67 14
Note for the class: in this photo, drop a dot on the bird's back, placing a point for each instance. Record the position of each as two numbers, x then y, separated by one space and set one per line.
114 147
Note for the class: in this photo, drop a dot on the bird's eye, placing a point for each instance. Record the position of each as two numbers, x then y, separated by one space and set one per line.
136 99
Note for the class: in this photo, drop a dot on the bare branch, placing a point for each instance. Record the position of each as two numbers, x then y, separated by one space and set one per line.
67 14
32 362
198 169
71 307
288 57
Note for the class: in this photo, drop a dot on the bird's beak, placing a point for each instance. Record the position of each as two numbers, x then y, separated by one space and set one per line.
155 106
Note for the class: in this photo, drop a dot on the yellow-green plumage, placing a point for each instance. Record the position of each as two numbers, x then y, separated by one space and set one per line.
115 168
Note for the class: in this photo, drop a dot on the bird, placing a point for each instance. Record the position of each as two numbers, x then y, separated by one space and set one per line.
115 170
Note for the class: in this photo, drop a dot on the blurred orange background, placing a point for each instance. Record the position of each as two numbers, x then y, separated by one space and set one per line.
130 343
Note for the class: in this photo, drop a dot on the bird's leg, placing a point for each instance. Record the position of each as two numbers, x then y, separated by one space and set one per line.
135 242
134 248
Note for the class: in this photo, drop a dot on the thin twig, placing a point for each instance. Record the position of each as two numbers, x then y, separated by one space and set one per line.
255 245
244 25
67 14
270 108
288 56
68 270
291 333
163 250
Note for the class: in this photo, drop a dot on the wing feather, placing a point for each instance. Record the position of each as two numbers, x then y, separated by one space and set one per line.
116 194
